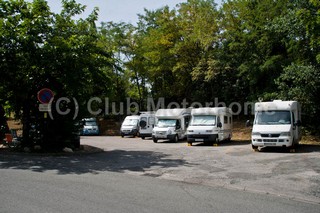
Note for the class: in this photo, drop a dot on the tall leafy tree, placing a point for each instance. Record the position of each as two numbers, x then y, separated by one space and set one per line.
41 49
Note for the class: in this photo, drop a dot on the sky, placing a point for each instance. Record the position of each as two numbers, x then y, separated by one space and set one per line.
119 10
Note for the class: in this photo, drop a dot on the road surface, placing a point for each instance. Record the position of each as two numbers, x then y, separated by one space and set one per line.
134 175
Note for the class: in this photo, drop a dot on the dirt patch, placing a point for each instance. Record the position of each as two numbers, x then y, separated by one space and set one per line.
240 131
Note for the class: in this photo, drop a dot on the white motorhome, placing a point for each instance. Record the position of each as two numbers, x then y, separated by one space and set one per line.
146 123
210 125
171 124
130 126
276 124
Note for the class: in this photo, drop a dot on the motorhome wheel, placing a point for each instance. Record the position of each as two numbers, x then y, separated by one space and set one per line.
255 148
176 139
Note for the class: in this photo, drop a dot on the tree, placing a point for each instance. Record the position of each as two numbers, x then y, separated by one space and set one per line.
302 83
41 49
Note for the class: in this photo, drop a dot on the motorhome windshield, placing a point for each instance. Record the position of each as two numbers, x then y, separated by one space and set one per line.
273 118
130 122
203 120
166 123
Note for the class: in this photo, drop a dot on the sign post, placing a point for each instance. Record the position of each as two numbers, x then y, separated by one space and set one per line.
44 97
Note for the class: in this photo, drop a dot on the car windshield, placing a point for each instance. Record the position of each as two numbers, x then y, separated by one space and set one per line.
130 122
90 123
273 118
166 123
203 120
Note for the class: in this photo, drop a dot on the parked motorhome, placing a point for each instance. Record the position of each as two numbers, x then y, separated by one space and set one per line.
130 126
146 123
276 124
210 125
171 124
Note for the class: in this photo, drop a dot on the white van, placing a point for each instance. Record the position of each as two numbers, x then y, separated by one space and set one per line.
146 123
210 125
130 126
276 124
171 124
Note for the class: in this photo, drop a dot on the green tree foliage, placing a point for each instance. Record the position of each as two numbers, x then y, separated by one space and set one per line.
41 49
236 53
300 82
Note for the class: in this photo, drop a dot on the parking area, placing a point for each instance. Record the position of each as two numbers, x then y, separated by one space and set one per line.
231 164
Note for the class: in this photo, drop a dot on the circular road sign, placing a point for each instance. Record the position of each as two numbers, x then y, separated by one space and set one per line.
45 95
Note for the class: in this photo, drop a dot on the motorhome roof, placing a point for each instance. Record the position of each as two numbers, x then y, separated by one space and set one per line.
172 113
209 110
276 105
147 112
132 117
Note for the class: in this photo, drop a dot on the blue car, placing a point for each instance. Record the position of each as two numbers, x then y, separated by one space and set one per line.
90 127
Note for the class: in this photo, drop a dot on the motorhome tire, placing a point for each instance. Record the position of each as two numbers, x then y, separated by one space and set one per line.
175 139
255 148
292 149
155 140
142 137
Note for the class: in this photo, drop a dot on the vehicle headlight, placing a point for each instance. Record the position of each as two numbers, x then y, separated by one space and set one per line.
255 134
287 134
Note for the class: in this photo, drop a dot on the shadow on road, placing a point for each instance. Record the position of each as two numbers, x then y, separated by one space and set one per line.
114 161
302 148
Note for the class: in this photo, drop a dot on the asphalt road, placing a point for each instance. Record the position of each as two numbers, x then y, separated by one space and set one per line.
38 192
135 175
231 165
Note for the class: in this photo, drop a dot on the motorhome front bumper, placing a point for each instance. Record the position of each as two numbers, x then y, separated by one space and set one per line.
129 132
145 134
164 136
268 141
202 138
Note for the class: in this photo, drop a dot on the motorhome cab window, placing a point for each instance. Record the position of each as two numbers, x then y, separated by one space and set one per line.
166 123
273 117
130 122
203 120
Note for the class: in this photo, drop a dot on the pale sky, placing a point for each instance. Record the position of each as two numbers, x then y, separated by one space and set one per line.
119 10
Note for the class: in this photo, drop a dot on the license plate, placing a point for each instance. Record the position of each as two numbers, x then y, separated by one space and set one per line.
269 144
161 136
198 140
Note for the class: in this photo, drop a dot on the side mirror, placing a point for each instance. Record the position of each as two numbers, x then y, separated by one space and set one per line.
248 123
219 125
178 127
